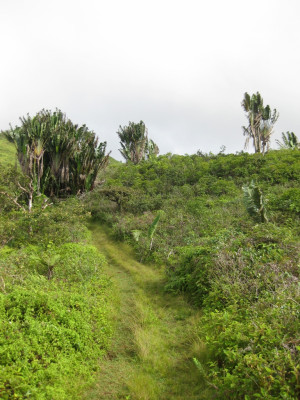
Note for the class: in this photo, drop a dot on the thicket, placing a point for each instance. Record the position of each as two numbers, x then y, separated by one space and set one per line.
58 157
54 297
243 272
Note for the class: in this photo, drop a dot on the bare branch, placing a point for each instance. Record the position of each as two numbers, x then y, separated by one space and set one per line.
13 200
46 204
22 188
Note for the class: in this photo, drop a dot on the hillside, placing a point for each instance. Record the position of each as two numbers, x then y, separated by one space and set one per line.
7 151
77 326
54 295
201 302
196 216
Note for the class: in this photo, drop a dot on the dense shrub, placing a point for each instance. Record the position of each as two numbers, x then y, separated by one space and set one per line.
60 223
189 271
289 201
54 330
243 273
54 300
253 353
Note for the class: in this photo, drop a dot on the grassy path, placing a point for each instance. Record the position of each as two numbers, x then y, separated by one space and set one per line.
155 339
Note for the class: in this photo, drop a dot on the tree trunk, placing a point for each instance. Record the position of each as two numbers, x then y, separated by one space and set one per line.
30 196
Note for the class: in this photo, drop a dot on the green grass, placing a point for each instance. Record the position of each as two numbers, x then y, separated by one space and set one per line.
155 340
7 152
113 161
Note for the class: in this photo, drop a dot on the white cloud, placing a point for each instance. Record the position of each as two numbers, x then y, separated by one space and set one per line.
181 66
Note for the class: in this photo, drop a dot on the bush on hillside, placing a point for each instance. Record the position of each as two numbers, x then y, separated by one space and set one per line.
54 330
244 274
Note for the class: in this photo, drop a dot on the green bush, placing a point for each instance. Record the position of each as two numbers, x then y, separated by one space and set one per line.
289 201
54 329
60 223
188 271
254 353
244 274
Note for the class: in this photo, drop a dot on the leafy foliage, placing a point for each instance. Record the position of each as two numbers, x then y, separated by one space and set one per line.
254 202
59 157
135 145
54 298
243 274
52 334
289 141
152 228
261 121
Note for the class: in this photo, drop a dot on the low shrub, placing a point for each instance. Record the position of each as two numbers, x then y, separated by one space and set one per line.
54 327
254 353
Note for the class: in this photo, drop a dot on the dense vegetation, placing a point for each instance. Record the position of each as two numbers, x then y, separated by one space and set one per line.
54 297
225 229
190 213
58 157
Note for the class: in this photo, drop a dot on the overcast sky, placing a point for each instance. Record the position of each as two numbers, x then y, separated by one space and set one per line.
180 66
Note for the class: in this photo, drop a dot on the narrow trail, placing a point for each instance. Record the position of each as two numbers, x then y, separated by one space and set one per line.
155 334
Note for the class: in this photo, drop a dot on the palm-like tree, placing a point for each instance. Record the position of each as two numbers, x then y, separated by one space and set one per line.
59 157
261 122
135 145
289 141
152 150
133 140
30 141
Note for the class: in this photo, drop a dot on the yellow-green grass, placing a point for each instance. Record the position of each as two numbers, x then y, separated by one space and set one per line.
113 161
7 151
151 357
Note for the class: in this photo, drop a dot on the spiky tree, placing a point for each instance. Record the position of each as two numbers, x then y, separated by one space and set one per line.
152 150
135 145
59 157
30 140
261 122
289 141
